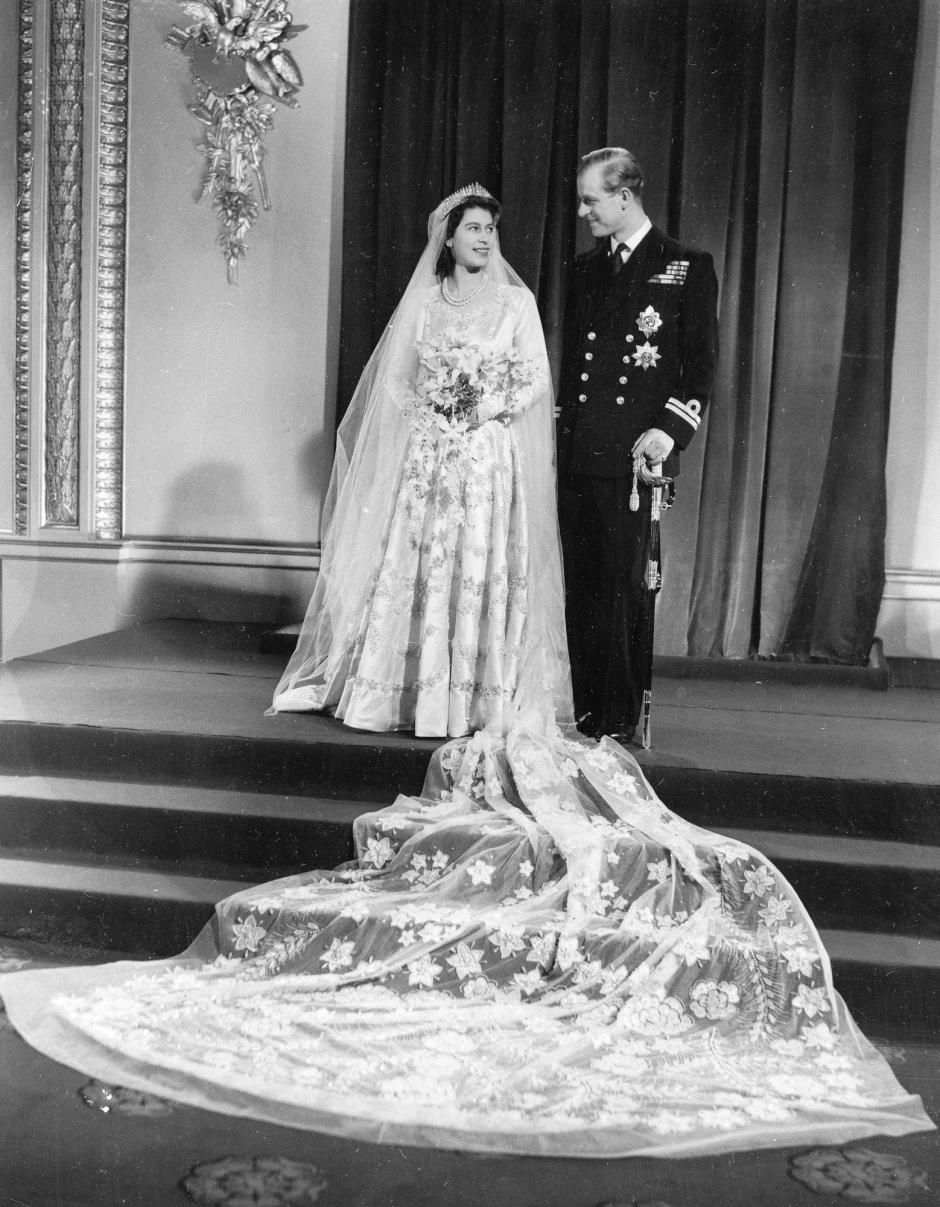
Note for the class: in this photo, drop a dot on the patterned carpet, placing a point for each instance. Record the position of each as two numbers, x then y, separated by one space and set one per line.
66 1141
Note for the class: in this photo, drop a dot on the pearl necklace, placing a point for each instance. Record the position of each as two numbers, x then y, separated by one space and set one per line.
466 298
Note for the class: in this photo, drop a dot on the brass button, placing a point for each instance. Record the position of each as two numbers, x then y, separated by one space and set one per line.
592 335
623 381
582 398
629 339
626 360
620 400
589 356
584 376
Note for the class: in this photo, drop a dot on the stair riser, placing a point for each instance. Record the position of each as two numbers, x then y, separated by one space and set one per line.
131 925
221 846
892 1003
377 773
315 769
857 897
253 849
718 800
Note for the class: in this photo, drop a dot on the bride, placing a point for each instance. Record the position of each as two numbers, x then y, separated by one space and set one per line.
438 602
535 955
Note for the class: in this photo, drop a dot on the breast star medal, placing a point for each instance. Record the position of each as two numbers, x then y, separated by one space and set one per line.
646 356
649 322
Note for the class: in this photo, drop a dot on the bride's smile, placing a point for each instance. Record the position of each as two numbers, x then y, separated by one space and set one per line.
472 242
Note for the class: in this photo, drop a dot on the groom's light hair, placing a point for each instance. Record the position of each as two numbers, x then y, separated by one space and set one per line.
621 170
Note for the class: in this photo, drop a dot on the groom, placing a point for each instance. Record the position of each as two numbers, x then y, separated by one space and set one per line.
639 355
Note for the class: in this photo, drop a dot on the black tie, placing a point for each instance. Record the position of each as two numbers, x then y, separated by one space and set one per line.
617 259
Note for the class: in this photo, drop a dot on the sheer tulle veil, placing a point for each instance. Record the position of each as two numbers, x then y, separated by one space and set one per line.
370 452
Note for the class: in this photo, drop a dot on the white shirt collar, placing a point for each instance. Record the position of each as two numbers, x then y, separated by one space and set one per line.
635 239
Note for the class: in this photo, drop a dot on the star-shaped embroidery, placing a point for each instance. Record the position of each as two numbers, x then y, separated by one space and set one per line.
649 322
646 356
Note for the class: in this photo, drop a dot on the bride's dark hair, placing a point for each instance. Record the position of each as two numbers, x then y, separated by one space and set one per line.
445 261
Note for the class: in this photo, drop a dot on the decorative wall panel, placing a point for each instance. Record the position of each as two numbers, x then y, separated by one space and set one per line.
111 254
24 220
64 256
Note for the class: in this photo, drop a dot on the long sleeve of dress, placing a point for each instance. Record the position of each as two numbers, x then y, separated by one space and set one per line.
529 342
403 369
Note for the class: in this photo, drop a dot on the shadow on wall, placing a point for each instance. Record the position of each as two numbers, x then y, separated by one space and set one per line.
207 502
203 593
314 464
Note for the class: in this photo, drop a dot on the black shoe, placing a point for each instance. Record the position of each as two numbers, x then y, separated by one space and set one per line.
585 724
625 737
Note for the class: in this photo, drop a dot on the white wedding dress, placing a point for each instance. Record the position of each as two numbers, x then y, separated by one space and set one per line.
439 600
534 955
439 638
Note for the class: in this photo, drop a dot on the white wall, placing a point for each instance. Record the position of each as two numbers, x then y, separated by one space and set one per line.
230 389
909 623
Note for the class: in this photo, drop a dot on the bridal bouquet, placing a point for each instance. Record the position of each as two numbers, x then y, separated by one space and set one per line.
460 384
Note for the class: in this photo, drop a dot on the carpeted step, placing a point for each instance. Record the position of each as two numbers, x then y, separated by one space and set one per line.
375 768
145 912
888 981
850 883
876 676
372 771
199 831
873 809
253 837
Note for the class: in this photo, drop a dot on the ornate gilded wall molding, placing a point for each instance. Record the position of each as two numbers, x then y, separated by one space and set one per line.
24 235
64 254
111 236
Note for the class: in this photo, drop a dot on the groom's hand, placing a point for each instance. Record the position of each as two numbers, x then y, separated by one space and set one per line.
655 445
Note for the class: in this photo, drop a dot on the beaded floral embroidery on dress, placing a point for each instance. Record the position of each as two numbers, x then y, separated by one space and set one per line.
438 644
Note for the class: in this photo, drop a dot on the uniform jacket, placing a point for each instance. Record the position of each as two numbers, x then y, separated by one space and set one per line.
640 350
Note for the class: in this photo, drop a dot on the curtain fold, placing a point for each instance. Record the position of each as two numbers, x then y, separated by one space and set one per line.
772 133
838 593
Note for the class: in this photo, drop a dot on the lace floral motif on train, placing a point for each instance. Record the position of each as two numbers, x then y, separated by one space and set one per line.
536 946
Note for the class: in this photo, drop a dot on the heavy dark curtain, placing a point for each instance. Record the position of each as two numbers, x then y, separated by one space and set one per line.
772 133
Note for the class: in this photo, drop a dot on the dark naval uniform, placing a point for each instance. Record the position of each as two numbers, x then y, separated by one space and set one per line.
640 349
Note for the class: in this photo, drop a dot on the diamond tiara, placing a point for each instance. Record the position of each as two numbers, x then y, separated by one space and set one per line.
469 190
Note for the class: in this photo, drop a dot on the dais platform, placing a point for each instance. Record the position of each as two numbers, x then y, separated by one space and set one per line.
140 781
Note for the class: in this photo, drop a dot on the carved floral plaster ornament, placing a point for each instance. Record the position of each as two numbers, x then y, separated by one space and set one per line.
237 54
